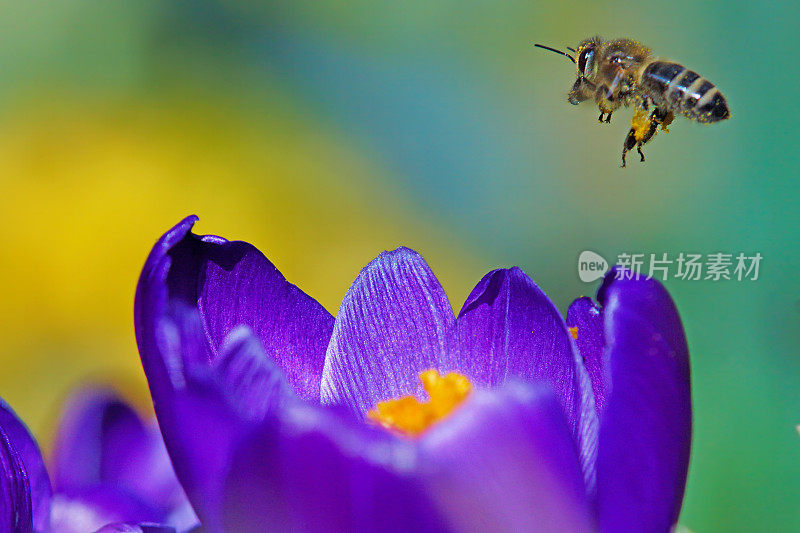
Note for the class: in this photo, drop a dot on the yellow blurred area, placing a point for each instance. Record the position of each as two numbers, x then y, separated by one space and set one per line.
88 188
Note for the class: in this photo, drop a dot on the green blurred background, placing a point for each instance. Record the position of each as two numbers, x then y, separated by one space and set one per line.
325 132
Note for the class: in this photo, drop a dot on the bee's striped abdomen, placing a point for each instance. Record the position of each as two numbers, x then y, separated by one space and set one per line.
684 91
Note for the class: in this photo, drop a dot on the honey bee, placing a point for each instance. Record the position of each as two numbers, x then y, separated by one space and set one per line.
623 72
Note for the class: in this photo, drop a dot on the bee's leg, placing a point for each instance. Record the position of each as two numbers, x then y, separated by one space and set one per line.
649 135
657 118
643 128
604 111
630 142
651 131
604 104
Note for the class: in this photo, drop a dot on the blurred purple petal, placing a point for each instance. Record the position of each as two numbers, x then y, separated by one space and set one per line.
101 439
15 493
587 316
138 528
309 468
645 435
206 408
506 461
38 480
392 325
253 382
508 328
93 421
232 283
183 518
93 508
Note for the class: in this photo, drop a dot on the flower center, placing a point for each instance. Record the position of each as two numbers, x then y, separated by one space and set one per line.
410 417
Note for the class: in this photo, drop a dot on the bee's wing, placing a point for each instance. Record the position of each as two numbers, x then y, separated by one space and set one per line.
614 85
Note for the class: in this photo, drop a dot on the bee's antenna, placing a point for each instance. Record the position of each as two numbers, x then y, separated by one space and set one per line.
571 49
556 51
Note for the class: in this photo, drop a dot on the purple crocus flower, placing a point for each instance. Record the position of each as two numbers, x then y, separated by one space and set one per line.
268 404
108 466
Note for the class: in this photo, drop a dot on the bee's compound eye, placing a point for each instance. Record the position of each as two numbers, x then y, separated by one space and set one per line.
586 62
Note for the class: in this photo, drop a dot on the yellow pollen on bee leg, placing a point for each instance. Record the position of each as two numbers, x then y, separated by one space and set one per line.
640 123
574 332
410 417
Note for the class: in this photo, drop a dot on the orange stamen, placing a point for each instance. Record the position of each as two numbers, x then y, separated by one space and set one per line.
410 417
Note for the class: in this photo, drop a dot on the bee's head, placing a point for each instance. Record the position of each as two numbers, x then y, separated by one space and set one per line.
586 63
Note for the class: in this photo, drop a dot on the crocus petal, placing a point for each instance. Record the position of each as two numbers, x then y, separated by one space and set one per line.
101 439
645 434
587 317
312 469
207 408
232 283
186 286
508 328
392 325
38 480
506 461
15 493
91 509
